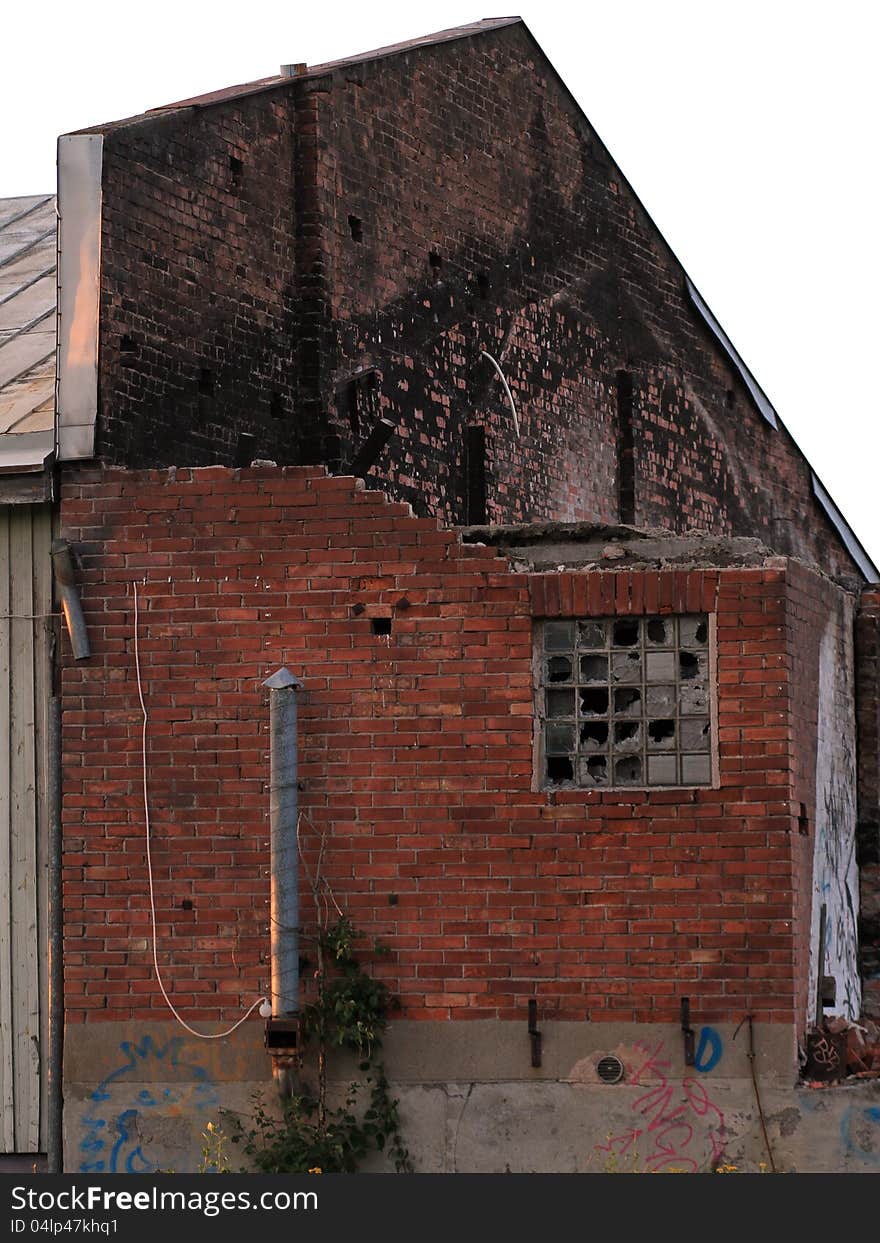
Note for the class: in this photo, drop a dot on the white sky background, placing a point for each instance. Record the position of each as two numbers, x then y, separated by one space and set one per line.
747 128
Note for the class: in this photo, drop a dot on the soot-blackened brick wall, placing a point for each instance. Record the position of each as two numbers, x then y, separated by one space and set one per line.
492 218
384 224
198 286
416 753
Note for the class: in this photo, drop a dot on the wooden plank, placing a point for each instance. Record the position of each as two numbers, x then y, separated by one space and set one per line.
42 595
7 1066
23 839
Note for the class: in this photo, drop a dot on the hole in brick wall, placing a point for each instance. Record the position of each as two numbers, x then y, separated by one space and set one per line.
235 168
186 904
276 406
380 625
348 401
559 768
245 449
356 228
483 284
435 262
626 496
206 382
393 899
359 398
730 397
476 476
128 352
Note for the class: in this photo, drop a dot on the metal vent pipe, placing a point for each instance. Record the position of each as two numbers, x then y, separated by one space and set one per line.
284 859
65 582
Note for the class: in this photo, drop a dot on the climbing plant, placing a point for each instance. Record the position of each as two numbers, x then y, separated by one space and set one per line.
349 1012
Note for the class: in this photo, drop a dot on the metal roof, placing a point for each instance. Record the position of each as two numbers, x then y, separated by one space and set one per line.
27 331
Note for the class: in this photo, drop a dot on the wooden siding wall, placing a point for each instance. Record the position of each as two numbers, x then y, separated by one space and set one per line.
25 687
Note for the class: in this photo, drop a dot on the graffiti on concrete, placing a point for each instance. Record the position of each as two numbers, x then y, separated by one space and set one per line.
835 872
151 1079
676 1124
860 1133
709 1050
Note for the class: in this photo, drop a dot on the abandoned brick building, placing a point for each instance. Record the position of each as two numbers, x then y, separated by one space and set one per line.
379 371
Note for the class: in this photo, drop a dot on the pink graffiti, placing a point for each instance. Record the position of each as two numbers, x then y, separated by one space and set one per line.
674 1128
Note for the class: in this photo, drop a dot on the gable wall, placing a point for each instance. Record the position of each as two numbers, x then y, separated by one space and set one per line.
472 151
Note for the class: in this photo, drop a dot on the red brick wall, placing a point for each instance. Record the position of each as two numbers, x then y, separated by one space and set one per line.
471 152
416 758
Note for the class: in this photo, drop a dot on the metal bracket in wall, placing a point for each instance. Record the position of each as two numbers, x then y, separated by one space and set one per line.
534 1034
687 1031
369 451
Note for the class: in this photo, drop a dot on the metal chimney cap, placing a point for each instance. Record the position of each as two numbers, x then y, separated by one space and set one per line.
293 71
281 679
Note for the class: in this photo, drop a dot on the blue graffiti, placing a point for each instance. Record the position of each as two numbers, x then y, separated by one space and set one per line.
709 1050
110 1142
859 1129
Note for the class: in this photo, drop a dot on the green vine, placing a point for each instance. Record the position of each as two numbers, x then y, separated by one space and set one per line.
349 1012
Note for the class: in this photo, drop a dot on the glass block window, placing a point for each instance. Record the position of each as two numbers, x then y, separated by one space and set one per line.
625 701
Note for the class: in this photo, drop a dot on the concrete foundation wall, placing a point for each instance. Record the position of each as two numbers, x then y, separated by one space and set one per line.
139 1095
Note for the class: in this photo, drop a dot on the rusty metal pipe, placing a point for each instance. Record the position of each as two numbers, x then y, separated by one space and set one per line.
65 581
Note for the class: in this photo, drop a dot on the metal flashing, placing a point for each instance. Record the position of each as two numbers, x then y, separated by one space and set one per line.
759 397
80 158
850 541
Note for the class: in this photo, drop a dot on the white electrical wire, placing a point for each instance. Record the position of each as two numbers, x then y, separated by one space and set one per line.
506 389
168 1001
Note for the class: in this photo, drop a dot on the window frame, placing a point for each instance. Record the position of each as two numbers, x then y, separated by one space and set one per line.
540 782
